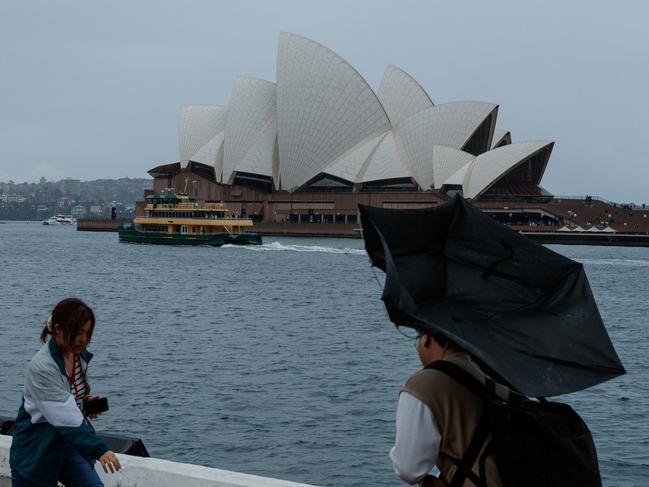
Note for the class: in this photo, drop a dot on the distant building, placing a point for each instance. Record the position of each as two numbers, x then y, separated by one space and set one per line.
13 198
63 201
97 210
78 211
70 187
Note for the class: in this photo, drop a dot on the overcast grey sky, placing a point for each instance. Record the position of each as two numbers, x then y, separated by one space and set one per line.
92 89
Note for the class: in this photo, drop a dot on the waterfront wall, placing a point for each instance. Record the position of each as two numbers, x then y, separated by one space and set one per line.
308 229
585 238
153 472
99 224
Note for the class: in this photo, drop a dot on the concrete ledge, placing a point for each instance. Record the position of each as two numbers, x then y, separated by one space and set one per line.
589 238
145 472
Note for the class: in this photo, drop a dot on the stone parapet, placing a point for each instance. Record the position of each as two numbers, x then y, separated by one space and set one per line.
153 472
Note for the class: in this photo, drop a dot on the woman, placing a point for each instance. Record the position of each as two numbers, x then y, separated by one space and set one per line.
53 440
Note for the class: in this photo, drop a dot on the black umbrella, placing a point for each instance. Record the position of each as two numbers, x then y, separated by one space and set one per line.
520 309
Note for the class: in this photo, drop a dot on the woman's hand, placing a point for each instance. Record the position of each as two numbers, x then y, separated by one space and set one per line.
109 461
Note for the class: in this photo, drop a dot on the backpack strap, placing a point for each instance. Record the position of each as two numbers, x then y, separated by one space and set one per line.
481 433
485 392
486 452
465 464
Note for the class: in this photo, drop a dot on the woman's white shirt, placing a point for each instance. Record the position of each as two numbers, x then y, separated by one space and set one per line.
416 446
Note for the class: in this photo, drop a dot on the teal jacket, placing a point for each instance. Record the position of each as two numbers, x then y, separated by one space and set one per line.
48 418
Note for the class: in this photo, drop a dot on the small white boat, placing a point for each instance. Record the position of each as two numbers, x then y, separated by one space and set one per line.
66 219
60 220
51 221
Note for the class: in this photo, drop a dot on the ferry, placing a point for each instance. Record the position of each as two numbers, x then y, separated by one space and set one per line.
60 220
178 219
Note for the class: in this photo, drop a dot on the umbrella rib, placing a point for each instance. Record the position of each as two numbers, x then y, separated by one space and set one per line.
592 367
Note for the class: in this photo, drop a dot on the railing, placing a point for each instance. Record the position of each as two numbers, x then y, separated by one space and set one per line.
583 198
625 206
201 218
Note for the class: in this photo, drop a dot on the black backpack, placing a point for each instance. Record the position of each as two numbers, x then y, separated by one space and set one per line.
535 442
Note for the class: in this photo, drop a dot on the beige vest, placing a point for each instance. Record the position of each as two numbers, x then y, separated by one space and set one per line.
456 411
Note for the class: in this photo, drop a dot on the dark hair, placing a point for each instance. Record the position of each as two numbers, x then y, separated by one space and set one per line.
70 314
442 340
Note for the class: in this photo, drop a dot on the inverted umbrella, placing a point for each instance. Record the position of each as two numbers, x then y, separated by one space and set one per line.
523 311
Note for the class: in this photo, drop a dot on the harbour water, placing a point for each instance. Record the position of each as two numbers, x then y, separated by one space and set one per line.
276 360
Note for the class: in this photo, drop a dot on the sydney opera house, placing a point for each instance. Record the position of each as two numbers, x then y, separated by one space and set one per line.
309 146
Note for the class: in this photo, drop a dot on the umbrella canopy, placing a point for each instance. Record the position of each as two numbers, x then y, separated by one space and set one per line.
520 309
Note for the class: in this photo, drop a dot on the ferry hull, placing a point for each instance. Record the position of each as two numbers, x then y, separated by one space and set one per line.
216 240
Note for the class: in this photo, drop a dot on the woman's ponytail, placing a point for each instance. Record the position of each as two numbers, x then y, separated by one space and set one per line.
47 329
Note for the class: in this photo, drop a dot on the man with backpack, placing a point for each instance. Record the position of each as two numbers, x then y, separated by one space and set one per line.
528 318
437 418
480 433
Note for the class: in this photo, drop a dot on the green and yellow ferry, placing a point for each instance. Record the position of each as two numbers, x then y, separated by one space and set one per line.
178 219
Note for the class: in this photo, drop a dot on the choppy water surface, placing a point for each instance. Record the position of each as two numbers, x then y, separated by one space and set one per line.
276 360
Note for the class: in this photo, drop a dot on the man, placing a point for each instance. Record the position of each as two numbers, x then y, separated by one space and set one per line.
437 416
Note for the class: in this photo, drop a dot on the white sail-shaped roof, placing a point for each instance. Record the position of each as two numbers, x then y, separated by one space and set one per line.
323 118
451 124
212 153
401 95
324 108
489 167
447 161
459 177
259 157
253 113
198 125
386 163
501 136
350 164
432 147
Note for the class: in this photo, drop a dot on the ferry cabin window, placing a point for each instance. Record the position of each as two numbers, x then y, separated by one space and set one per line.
155 228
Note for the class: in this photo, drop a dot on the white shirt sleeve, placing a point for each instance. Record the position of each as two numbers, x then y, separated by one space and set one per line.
416 446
